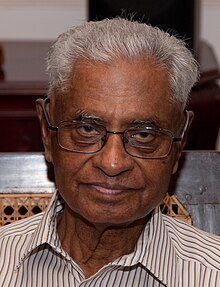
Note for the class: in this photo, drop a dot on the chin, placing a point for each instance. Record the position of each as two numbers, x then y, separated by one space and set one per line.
108 219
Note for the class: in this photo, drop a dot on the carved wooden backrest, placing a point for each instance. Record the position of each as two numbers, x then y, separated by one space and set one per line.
26 186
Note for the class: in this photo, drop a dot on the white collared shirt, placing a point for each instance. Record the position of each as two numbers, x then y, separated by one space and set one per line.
168 253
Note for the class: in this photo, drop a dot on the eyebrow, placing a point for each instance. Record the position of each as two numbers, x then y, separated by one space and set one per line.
143 122
148 122
81 115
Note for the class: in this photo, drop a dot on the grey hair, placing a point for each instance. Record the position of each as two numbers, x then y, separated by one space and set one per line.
105 40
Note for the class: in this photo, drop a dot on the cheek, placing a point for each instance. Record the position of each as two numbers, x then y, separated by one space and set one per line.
71 169
157 176
67 170
66 167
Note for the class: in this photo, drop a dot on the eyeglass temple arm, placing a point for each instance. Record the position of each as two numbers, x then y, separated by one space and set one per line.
45 115
177 139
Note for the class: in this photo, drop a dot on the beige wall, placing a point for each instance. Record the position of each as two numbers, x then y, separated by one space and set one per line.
39 19
45 19
210 24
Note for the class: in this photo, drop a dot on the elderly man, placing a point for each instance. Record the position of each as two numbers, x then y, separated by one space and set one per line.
113 125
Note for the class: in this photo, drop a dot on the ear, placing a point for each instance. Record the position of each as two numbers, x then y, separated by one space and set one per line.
45 132
182 144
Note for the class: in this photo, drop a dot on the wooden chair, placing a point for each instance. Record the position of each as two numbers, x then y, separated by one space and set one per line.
26 186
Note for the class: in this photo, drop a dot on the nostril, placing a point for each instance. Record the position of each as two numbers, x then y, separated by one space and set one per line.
112 160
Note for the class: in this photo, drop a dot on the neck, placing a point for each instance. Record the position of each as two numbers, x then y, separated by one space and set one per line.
93 246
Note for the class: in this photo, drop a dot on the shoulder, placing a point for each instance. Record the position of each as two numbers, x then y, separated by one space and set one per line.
21 227
193 244
15 239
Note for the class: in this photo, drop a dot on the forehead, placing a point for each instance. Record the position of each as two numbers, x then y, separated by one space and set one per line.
121 90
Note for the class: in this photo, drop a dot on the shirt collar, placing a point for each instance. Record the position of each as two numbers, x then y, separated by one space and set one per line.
160 257
154 248
155 251
45 231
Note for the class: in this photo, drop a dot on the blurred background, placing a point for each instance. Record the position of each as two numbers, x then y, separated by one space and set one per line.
28 27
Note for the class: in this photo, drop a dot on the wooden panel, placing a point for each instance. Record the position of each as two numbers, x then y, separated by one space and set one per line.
25 81
198 177
196 184
20 128
25 173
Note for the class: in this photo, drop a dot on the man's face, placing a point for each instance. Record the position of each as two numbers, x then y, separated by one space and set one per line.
112 187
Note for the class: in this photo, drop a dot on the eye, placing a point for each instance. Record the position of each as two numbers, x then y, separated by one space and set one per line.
87 130
144 136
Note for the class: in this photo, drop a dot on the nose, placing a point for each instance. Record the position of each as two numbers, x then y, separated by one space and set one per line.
113 159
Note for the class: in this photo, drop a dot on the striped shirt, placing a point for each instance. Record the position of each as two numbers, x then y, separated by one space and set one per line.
168 253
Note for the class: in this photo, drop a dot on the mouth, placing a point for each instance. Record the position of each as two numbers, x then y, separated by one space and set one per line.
110 189
106 190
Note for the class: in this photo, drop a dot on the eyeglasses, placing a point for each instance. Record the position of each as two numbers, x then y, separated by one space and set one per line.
140 141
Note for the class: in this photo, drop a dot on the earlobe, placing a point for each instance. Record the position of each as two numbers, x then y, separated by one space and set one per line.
177 157
184 140
182 144
175 167
45 133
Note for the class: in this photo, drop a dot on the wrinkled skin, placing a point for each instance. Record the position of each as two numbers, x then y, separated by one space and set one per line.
110 192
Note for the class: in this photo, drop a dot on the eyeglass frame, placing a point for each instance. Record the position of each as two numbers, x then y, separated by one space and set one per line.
174 139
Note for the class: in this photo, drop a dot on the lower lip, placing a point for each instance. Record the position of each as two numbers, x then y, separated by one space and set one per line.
108 191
